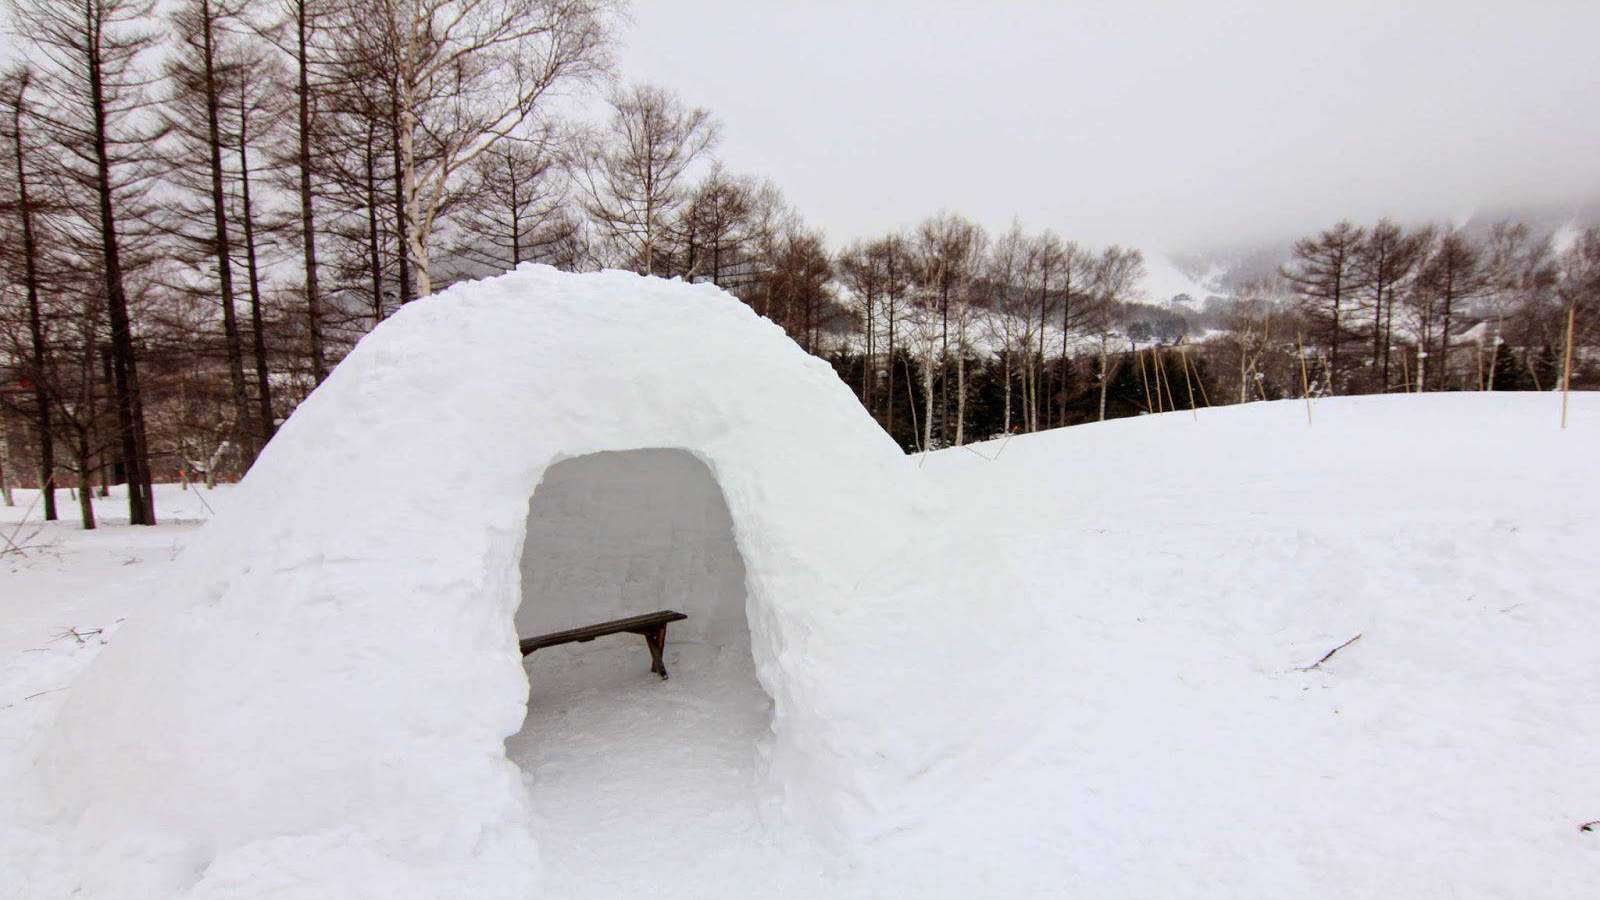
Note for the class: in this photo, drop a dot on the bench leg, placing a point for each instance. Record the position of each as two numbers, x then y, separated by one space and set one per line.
656 638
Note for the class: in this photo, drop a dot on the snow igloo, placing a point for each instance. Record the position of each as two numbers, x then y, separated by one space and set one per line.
317 700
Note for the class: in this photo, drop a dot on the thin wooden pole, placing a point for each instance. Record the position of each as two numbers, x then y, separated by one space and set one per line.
1305 377
911 399
1144 378
1405 373
1198 380
1566 368
1161 372
1183 358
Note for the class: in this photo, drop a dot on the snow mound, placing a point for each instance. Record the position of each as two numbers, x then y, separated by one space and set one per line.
322 703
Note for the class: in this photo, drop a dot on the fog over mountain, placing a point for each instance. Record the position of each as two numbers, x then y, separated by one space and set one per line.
1209 128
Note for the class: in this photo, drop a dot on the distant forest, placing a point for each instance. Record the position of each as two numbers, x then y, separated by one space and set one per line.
205 208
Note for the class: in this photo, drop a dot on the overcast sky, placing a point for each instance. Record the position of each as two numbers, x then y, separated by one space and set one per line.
1166 124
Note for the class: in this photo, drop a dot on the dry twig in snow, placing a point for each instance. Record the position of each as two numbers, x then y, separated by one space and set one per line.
1329 655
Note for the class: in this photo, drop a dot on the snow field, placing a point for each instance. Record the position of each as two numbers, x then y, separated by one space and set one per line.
1075 663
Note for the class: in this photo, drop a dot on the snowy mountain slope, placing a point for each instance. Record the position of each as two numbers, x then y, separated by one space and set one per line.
1165 279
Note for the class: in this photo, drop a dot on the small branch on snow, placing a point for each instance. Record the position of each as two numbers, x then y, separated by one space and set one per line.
1589 826
42 693
1329 655
18 546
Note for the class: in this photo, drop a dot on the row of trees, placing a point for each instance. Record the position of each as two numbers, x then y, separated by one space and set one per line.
1390 308
946 292
1354 310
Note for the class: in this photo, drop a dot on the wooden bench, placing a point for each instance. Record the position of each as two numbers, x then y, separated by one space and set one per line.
653 626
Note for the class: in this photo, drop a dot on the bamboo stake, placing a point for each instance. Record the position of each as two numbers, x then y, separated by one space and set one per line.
1197 379
1183 356
1144 378
1155 367
1161 367
1156 364
1305 377
1566 368
1155 370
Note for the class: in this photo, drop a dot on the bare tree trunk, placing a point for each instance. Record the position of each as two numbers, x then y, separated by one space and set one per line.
889 411
1105 375
1388 339
927 405
224 253
1566 365
85 483
374 260
1443 377
1494 351
1038 413
961 396
308 221
41 396
5 474
401 223
1066 320
944 365
258 341
1006 355
130 405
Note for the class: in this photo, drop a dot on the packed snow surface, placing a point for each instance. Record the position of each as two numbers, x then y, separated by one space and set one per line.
1081 663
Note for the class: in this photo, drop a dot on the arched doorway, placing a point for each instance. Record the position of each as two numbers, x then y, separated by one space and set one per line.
620 533
663 768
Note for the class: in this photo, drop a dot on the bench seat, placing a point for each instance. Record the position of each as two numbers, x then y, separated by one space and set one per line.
652 626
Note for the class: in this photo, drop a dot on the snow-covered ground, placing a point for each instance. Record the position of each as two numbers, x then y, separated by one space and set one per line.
1156 723
65 591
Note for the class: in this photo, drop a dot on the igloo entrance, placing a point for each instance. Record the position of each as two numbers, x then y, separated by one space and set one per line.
620 533
617 534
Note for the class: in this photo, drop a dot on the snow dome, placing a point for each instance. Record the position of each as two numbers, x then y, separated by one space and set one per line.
325 687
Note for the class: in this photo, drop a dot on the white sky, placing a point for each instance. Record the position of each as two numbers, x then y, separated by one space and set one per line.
1166 124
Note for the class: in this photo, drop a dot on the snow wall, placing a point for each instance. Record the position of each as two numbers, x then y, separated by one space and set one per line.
316 701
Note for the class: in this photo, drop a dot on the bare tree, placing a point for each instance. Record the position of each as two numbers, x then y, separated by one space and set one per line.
17 125
1072 278
1518 270
1008 314
949 252
467 74
897 274
1384 260
1117 274
862 272
94 112
197 74
714 229
1578 289
1249 323
1323 275
632 171
1451 275
800 276
303 18
515 208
